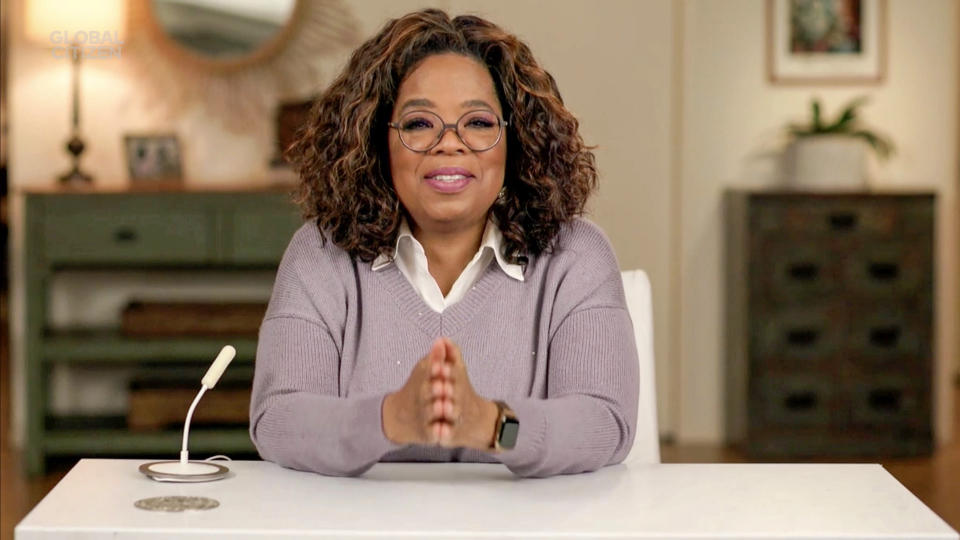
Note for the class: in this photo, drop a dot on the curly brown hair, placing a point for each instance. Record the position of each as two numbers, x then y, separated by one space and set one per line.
342 155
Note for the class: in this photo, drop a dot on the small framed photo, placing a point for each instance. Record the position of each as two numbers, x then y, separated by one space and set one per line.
153 159
826 41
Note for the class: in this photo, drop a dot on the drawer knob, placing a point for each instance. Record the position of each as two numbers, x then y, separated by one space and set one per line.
885 399
803 271
885 336
843 221
125 234
884 271
802 337
800 401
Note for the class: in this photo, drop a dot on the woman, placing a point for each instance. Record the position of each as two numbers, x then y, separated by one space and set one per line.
444 301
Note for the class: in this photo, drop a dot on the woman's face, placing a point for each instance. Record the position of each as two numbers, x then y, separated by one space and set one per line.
450 187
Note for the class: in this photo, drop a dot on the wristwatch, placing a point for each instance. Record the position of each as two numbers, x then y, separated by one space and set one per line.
507 428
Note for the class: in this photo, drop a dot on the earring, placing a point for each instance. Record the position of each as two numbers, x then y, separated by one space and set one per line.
502 196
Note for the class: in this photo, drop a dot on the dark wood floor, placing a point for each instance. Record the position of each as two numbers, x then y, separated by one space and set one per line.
934 480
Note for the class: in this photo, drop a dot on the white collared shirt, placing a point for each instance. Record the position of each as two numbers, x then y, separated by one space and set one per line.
411 260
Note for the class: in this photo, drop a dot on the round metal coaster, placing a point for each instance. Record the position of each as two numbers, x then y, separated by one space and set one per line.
176 503
192 471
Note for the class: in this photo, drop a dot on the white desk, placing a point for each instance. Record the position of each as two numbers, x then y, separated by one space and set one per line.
458 500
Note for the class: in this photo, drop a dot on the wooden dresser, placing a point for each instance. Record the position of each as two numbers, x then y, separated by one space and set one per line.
829 323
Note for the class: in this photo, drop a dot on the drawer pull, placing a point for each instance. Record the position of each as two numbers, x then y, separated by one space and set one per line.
800 401
804 271
885 336
885 399
843 221
802 337
884 271
125 234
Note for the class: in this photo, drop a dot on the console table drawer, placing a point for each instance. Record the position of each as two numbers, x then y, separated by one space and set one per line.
263 236
125 236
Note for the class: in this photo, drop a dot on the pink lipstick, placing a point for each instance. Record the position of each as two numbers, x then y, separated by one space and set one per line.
448 179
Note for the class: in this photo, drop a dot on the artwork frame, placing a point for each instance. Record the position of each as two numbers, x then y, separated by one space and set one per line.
153 160
828 42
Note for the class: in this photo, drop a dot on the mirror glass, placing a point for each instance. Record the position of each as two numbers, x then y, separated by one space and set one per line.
223 29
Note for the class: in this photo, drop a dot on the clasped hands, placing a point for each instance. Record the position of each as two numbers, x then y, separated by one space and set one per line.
438 406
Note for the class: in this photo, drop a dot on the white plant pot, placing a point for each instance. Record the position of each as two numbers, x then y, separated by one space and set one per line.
826 163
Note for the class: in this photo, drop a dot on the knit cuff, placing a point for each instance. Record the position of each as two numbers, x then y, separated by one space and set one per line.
530 449
363 428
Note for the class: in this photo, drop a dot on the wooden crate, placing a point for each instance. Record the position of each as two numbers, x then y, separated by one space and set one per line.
156 408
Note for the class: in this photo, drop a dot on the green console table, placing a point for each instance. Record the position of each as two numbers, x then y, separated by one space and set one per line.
170 230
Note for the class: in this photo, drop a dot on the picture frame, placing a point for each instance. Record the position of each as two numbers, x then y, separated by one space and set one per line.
832 42
153 160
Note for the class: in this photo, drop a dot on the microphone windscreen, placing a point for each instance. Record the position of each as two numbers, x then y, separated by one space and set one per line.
219 365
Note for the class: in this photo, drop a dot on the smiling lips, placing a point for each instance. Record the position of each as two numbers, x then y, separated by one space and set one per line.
448 179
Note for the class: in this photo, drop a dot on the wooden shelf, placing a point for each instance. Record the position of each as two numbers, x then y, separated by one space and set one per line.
84 346
115 230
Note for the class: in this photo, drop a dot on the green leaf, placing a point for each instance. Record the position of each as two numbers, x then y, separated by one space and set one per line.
816 115
844 122
881 145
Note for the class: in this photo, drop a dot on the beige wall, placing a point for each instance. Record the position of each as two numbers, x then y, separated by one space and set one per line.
731 116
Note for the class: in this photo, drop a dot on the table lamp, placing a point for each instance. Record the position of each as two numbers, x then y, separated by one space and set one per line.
73 30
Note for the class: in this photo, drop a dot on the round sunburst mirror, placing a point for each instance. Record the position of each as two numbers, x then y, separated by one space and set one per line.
223 34
238 57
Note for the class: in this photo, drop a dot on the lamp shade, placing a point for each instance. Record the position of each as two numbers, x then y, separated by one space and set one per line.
49 22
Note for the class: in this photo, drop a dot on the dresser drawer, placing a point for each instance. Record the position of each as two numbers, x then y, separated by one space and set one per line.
889 269
124 235
888 338
805 339
261 237
888 400
791 270
842 215
799 400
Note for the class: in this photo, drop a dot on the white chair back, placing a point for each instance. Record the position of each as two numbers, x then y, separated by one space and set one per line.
646 443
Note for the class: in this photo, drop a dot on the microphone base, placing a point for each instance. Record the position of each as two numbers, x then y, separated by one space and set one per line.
191 471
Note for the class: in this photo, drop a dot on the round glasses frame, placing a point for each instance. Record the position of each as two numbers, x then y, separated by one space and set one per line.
443 129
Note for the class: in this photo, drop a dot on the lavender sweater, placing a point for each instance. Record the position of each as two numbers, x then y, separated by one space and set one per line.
338 337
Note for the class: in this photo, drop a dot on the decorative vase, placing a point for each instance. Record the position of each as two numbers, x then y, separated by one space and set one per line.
826 163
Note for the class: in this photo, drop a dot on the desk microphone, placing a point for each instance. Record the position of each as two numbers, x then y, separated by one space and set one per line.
185 470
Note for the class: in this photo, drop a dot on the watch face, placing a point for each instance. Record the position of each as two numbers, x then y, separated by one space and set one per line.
509 433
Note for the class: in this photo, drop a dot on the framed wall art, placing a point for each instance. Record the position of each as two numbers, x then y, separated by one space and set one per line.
826 41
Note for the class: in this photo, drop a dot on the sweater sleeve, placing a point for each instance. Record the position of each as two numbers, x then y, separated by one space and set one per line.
588 419
297 418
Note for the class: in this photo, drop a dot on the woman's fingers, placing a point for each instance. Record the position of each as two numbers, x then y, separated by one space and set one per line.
452 352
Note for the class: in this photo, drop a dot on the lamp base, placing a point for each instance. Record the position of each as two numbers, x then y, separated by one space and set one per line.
75 177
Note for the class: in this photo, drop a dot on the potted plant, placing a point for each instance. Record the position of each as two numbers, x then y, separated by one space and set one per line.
832 154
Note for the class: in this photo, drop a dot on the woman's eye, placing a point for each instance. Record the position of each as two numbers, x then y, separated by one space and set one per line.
480 122
413 124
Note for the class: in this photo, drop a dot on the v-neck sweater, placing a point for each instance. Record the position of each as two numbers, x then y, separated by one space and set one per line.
338 337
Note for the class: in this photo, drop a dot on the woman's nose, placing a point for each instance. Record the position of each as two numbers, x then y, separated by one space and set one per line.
450 142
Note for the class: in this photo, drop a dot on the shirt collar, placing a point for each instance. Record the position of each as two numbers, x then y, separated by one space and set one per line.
492 239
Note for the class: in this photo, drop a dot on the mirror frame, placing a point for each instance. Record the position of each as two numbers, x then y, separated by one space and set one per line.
143 18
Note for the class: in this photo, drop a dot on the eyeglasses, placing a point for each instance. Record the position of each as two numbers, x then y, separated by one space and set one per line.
420 131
